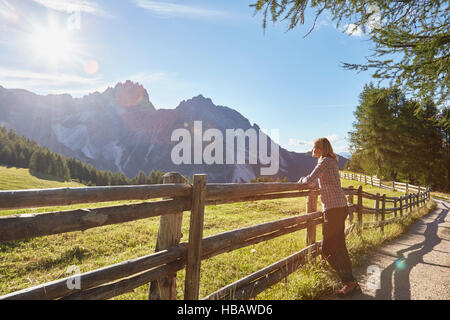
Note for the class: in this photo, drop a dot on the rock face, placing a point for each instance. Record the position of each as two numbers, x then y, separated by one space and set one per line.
120 129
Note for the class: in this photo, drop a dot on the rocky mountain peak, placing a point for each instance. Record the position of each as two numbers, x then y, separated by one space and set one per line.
131 94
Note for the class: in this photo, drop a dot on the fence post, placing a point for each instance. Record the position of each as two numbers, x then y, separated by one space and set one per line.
365 179
414 200
376 207
395 206
371 180
380 182
360 209
406 188
401 206
311 206
410 202
194 253
169 234
393 185
383 211
350 201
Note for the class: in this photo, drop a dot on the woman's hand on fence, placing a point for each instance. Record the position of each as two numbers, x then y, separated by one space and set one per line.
302 185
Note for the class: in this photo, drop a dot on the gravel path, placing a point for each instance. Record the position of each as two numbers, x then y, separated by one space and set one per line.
414 266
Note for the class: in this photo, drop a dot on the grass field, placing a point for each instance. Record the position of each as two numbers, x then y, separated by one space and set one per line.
27 263
17 179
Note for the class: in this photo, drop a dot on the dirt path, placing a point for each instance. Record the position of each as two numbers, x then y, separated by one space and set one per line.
415 266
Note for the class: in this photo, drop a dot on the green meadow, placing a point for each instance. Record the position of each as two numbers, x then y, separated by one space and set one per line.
35 261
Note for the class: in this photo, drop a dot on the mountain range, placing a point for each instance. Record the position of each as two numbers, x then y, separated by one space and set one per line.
121 130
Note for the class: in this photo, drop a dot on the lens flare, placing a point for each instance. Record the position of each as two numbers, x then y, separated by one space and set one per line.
400 264
91 67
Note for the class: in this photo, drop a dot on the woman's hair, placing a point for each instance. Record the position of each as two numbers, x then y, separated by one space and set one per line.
325 147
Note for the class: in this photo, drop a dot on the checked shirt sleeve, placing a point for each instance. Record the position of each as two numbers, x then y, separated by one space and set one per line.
312 178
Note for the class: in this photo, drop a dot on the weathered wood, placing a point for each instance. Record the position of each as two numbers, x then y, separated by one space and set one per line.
311 206
410 203
377 207
393 185
270 196
368 195
218 191
383 211
114 289
27 226
310 233
194 255
350 203
211 246
395 208
311 203
21 199
258 239
241 290
59 288
218 243
169 234
401 206
360 209
392 210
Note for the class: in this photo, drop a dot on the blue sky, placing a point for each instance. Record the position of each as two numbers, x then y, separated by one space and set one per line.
179 49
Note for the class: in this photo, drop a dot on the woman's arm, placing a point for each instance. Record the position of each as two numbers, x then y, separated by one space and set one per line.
312 178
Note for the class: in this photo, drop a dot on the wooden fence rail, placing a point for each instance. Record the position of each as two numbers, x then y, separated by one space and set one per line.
160 268
395 185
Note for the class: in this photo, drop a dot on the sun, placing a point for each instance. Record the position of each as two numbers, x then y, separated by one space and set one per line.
51 44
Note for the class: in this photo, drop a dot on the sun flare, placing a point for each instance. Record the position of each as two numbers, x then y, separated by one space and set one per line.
52 45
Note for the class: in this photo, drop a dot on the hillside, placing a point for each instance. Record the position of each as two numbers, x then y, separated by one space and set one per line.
18 179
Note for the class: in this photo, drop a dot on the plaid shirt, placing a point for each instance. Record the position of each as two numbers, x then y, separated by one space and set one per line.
326 173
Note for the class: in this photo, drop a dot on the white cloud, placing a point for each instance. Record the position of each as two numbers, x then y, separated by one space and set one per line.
374 22
77 85
163 8
333 138
45 83
73 5
299 142
353 30
145 77
17 74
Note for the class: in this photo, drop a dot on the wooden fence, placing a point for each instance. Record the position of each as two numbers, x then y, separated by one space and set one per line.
395 185
160 268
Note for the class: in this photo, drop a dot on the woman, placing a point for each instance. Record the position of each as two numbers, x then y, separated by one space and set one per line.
334 204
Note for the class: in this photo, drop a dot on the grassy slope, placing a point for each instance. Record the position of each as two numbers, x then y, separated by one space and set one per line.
28 263
17 179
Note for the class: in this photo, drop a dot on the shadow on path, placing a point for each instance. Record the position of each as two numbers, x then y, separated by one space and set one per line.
400 269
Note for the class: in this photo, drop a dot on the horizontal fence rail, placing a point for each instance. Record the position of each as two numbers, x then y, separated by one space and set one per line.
171 256
395 186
